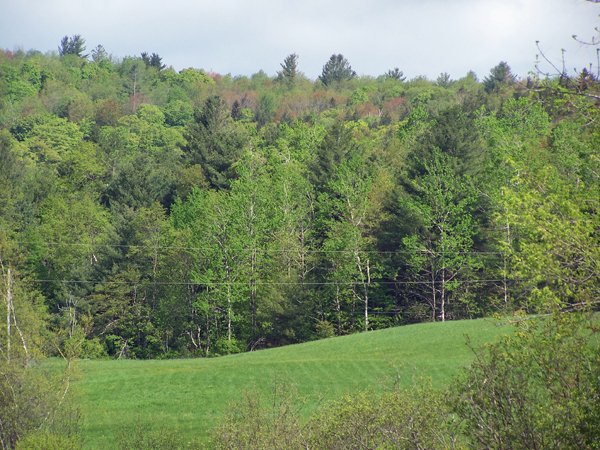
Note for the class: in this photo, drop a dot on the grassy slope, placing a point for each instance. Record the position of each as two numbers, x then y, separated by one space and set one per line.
191 395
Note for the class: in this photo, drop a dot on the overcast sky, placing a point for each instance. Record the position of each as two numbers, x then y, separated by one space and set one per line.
241 37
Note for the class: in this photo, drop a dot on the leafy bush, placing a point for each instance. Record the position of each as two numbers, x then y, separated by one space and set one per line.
35 407
416 419
140 438
44 440
399 419
538 388
250 424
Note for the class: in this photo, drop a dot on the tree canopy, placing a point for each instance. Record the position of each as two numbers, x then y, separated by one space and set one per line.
182 213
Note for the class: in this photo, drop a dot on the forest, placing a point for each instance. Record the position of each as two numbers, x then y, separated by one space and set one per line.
150 213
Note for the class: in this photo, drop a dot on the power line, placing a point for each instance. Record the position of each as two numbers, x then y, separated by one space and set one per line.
258 250
263 283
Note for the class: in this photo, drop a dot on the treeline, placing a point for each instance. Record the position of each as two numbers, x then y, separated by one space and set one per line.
146 212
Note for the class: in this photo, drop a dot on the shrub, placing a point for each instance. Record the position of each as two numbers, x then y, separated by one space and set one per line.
538 388
252 424
35 407
44 440
418 419
399 419
140 438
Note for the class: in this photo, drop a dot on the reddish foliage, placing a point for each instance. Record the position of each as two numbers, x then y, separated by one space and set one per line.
6 54
108 112
214 75
395 107
368 110
293 107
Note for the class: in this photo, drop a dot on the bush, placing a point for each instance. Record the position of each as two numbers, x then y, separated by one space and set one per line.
399 419
140 438
250 424
35 407
538 388
44 440
416 419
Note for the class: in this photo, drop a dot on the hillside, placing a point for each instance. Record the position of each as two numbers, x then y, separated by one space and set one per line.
149 213
170 213
191 394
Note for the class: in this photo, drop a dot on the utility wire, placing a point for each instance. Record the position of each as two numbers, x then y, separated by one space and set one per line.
257 250
261 283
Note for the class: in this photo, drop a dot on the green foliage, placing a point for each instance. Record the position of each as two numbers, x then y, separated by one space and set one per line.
395 74
324 198
139 438
537 388
440 252
44 440
250 424
74 45
153 60
193 78
149 213
412 419
336 70
35 403
289 70
99 54
215 142
500 76
178 113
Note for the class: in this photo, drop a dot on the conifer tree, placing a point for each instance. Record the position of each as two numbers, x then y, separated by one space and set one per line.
337 69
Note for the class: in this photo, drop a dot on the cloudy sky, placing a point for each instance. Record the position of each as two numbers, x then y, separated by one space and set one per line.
421 37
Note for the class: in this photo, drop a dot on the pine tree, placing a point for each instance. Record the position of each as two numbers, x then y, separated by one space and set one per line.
289 70
74 45
337 69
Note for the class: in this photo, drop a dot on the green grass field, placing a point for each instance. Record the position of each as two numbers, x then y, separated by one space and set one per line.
190 395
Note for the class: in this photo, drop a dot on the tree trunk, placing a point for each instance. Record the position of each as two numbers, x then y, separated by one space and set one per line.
443 295
433 296
338 309
229 312
505 261
8 312
366 289
253 304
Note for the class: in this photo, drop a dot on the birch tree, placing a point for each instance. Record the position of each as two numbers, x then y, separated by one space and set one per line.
439 254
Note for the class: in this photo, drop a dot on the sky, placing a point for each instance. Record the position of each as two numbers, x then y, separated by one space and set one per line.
241 37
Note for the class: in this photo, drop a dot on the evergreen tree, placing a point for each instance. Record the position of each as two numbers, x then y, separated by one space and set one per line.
99 54
74 45
215 142
336 70
289 70
395 74
499 76
153 60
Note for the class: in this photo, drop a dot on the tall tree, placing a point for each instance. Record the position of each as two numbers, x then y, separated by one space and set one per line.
74 45
351 266
500 76
439 255
99 54
219 255
215 142
153 60
289 70
337 69
395 74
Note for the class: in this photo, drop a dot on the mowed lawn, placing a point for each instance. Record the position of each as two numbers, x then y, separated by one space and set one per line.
190 395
